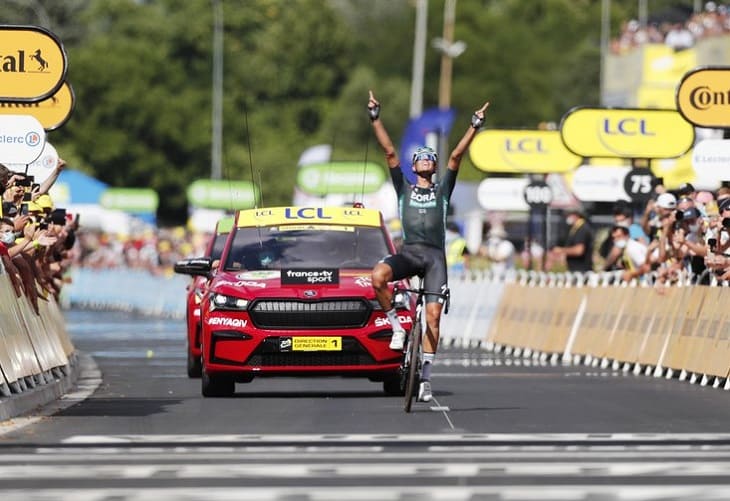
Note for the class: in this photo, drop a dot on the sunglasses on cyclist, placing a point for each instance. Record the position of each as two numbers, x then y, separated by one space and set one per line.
424 156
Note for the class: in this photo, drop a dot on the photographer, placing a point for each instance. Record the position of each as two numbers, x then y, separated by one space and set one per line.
687 237
718 255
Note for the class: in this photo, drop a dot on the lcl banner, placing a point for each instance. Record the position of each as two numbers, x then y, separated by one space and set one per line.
522 151
626 133
32 63
703 97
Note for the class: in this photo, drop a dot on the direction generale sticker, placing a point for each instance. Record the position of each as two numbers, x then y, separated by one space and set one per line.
32 63
703 97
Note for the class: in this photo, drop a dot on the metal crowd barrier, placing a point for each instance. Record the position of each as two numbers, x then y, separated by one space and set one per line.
593 318
599 320
35 349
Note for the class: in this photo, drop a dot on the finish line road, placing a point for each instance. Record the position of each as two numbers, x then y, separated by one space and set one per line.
138 428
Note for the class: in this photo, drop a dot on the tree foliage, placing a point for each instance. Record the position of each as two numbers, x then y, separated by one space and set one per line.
297 74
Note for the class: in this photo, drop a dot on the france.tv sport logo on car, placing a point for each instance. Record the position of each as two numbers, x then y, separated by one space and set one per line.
310 276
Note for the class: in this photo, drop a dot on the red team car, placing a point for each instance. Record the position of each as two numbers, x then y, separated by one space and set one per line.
293 296
196 290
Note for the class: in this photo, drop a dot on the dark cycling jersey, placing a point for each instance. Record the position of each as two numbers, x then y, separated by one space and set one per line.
423 217
423 210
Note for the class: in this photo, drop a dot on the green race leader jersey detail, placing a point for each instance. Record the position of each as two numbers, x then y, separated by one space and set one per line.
423 210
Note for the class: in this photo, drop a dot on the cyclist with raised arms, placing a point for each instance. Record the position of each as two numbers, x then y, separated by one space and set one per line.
423 208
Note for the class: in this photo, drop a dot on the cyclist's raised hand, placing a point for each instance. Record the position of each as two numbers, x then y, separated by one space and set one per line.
373 107
477 119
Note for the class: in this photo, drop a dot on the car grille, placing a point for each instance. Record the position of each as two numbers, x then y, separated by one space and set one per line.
294 314
268 355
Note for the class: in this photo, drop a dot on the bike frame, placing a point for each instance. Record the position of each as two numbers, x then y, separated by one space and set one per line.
413 354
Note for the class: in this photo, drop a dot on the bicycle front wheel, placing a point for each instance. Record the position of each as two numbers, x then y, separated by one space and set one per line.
413 358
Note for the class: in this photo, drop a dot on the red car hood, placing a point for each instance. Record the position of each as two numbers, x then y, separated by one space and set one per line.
268 283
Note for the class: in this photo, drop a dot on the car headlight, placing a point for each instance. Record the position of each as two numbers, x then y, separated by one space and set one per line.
223 302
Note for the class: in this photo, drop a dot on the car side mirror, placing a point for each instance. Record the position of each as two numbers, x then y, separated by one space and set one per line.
197 266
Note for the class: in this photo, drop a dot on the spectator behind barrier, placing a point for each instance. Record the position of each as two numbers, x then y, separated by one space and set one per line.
712 21
35 240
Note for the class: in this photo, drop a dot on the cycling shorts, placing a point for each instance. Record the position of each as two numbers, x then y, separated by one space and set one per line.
426 262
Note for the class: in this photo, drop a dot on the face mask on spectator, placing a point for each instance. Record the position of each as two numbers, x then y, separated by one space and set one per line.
7 237
620 243
693 227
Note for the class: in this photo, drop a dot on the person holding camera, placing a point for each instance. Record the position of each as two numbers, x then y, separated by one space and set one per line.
688 238
718 244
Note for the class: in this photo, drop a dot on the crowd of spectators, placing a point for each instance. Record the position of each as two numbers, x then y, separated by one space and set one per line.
681 235
35 236
713 20
154 250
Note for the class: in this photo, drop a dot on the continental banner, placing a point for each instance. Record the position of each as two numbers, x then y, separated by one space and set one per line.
52 112
703 97
32 63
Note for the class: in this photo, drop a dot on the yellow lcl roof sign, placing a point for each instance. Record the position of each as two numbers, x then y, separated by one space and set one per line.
275 216
32 63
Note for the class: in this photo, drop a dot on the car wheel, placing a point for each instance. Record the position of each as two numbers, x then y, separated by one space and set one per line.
393 386
217 386
195 364
195 367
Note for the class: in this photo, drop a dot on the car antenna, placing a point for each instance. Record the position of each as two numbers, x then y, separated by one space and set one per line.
364 172
253 178
329 165
250 163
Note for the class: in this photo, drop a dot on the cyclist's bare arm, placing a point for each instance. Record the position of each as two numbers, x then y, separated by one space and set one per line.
463 145
391 155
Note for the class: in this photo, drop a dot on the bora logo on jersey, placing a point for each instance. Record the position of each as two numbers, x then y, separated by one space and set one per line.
423 199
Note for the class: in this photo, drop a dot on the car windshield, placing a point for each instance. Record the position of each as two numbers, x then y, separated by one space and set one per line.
322 246
218 244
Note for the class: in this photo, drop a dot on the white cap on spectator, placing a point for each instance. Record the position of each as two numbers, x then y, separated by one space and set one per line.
666 201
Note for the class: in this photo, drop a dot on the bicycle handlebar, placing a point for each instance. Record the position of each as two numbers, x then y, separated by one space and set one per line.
422 292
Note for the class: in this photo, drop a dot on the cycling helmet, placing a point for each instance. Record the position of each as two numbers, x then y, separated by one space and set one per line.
425 153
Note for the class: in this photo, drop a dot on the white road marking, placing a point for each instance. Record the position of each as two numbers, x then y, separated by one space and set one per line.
394 493
435 439
88 381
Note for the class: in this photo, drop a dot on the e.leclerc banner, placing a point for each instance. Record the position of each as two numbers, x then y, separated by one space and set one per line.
21 139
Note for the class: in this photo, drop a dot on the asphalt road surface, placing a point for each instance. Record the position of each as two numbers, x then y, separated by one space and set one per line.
499 428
